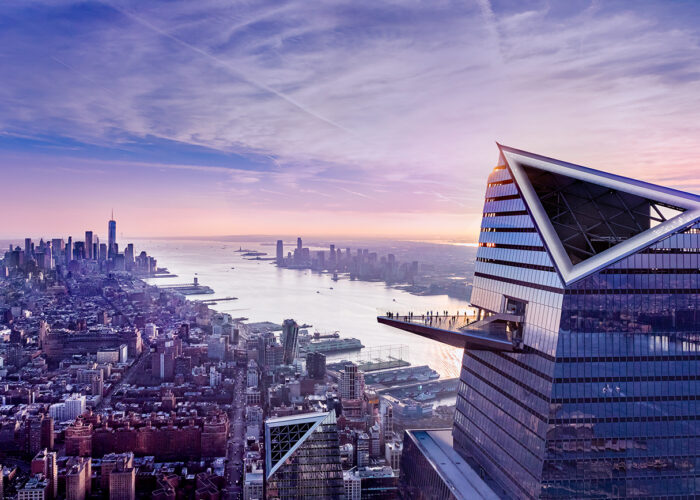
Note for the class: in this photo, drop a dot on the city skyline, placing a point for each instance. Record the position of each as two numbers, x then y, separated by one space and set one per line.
361 120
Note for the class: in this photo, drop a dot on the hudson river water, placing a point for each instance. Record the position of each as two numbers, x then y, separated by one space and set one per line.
268 293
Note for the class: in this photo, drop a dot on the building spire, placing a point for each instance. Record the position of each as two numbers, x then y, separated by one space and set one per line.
113 214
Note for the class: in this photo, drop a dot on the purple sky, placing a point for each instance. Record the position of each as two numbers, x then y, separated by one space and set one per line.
339 118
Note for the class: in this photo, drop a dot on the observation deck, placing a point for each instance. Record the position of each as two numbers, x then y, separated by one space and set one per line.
498 332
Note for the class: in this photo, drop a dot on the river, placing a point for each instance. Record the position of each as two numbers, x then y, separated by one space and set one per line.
268 293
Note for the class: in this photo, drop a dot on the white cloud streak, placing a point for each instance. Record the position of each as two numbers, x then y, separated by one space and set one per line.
346 97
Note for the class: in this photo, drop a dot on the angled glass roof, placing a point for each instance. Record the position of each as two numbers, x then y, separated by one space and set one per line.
283 439
590 218
283 435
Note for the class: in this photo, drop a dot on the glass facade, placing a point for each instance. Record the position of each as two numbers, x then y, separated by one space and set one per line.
303 457
419 478
624 409
602 400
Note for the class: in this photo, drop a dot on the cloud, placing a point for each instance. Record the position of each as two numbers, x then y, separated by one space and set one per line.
353 98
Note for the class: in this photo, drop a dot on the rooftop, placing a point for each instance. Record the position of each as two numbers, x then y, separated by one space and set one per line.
462 480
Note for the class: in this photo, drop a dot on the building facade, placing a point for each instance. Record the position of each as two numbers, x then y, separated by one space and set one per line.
290 341
351 383
302 457
596 279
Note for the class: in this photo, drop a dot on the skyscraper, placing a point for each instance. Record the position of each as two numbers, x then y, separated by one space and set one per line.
111 237
290 341
302 457
69 250
280 251
578 379
88 245
129 256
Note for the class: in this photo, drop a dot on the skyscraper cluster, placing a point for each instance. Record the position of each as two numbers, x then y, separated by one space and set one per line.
363 264
71 255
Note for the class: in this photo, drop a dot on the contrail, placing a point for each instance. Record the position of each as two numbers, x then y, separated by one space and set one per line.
82 75
229 67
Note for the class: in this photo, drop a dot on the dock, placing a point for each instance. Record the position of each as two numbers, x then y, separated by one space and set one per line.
211 302
436 388
193 288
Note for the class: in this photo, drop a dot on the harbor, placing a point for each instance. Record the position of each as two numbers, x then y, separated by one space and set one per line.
329 346
399 376
193 288
423 391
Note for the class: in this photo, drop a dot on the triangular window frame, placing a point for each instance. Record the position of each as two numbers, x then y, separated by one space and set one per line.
516 159
315 419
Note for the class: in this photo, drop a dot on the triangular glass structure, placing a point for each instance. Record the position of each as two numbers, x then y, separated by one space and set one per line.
590 219
285 434
283 439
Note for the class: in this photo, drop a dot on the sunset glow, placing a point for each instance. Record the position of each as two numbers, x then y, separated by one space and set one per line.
215 118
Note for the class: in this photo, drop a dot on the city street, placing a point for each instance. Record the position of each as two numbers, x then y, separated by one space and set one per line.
235 448
128 376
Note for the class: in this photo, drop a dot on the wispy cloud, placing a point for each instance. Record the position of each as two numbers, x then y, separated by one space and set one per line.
348 99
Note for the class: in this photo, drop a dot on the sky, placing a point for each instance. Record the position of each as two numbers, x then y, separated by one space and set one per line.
342 118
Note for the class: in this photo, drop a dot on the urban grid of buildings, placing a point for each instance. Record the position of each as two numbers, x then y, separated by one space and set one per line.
578 380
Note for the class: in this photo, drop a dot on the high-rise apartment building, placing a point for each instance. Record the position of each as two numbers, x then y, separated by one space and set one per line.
113 461
44 463
122 483
290 341
578 379
316 365
39 433
302 457
351 382
78 478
